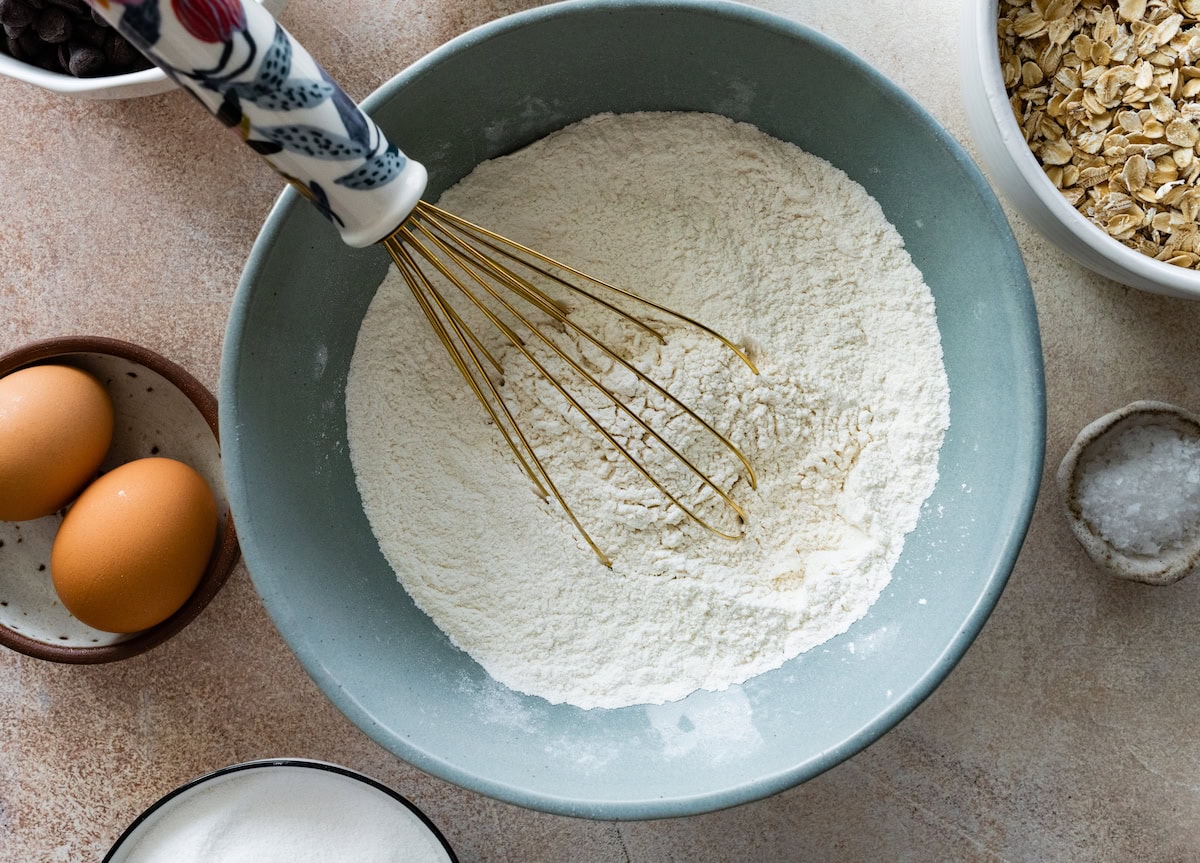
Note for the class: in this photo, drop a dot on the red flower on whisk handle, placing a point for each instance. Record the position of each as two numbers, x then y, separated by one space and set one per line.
210 20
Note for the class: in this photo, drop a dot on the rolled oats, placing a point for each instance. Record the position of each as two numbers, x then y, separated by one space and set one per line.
1108 99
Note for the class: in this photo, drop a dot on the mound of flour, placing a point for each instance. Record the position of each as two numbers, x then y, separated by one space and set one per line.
776 249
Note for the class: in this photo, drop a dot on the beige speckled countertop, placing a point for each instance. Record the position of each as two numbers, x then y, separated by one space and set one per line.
1068 732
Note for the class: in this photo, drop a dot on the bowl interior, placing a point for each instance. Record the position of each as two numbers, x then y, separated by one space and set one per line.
317 566
159 410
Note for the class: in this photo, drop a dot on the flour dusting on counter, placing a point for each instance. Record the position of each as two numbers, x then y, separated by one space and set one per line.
771 246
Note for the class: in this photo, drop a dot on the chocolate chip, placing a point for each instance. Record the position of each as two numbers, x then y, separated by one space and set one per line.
120 53
15 13
31 44
52 26
85 61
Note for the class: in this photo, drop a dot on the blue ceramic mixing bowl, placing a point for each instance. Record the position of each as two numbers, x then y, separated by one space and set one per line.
310 550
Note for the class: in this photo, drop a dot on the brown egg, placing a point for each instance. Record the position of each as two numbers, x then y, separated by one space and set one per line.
56 424
134 545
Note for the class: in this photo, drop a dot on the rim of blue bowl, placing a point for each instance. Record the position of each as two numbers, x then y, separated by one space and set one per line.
269 763
768 784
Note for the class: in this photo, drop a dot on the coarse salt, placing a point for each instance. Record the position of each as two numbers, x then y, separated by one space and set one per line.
1141 489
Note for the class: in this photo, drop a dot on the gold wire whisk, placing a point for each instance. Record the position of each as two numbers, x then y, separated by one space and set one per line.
468 258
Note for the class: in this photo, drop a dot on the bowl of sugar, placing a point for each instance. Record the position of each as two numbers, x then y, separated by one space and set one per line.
285 809
744 170
1130 485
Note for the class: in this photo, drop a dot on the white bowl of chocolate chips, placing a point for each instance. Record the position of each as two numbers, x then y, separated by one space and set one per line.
59 45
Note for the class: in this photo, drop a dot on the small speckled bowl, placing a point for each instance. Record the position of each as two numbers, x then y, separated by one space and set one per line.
160 410
1166 568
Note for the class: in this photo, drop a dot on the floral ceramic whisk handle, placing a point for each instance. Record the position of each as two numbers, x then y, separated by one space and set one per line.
247 70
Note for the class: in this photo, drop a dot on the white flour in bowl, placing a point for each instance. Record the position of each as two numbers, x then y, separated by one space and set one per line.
773 247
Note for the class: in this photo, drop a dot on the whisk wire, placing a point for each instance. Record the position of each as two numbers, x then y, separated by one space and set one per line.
492 241
456 247
432 226
429 299
430 235
506 247
527 290
565 392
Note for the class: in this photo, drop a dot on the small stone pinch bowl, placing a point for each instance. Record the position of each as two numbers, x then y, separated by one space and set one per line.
160 409
1174 562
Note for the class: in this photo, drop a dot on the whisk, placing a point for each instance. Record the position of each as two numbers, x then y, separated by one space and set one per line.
236 59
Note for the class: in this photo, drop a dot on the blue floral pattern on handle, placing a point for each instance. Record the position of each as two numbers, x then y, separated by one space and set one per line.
253 75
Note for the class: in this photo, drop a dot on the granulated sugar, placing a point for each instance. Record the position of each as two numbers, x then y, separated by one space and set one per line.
776 249
283 814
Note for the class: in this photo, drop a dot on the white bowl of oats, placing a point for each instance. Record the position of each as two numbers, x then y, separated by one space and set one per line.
1087 117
